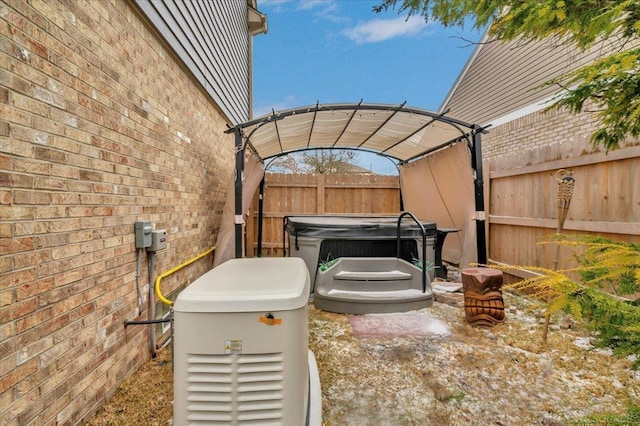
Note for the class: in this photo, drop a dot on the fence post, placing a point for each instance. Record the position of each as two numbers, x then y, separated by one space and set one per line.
320 182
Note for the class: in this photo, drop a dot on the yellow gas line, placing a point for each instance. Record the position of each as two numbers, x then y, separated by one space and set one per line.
174 270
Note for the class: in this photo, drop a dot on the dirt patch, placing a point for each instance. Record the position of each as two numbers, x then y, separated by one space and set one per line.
414 324
479 376
146 398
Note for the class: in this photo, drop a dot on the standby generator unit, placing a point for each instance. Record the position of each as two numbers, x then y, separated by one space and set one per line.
241 347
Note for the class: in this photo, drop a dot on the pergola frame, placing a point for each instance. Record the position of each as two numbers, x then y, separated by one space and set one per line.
469 133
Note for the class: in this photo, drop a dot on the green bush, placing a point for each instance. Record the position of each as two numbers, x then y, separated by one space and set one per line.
609 273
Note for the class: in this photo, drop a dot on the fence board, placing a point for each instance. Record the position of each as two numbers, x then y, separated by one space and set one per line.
288 194
522 203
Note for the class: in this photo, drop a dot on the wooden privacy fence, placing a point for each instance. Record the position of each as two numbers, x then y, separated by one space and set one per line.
317 194
522 201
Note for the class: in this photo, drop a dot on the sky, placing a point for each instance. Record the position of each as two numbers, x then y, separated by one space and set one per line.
340 51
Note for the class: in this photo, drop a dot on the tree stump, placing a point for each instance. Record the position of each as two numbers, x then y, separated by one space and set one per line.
483 304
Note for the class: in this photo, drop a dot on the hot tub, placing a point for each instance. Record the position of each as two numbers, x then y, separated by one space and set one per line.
321 239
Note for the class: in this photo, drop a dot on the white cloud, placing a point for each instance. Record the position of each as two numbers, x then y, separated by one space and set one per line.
378 30
319 6
272 3
312 4
264 108
328 10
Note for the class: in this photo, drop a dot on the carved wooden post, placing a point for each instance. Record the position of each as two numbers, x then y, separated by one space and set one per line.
483 304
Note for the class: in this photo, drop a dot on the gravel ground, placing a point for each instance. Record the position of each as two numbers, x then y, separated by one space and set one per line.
445 373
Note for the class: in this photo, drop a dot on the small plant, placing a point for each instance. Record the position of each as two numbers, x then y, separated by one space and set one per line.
608 271
328 263
418 264
631 417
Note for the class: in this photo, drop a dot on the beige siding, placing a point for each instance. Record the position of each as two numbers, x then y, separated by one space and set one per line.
501 78
212 39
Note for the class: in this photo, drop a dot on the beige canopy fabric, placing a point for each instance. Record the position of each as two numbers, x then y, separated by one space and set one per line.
440 188
399 132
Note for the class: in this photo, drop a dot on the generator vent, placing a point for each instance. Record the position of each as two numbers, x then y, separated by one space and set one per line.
242 389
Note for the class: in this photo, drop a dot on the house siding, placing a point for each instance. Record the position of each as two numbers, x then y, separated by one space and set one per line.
503 77
504 85
211 38
100 127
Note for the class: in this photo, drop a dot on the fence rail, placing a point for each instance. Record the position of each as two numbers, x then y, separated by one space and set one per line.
521 202
317 194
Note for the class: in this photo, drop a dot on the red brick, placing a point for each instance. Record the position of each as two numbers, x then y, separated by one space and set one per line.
51 183
52 325
19 374
69 277
16 245
30 321
51 240
17 310
5 197
16 180
5 128
34 288
17 278
16 212
107 164
7 297
31 166
31 197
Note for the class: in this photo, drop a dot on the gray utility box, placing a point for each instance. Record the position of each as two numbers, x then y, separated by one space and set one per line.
241 345
318 239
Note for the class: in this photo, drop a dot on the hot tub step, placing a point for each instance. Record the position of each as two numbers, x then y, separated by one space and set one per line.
365 302
356 285
372 276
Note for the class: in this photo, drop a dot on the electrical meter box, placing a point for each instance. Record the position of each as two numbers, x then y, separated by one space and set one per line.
241 344
158 240
143 231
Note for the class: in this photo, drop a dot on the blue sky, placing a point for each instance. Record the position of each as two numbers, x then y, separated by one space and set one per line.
340 51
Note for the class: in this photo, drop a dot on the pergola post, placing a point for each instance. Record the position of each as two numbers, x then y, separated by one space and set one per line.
260 214
239 220
476 163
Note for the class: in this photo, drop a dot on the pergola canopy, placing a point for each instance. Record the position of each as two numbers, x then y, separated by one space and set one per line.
396 131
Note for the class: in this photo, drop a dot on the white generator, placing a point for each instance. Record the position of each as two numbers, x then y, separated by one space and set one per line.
241 347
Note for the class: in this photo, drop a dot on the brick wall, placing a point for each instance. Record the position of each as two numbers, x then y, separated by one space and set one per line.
537 130
99 127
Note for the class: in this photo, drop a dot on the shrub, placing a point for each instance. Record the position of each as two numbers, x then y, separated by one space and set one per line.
608 271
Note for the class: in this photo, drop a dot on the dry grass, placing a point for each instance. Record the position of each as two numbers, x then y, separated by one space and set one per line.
144 399
472 376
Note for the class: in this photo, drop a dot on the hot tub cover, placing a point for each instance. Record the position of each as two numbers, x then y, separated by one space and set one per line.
355 226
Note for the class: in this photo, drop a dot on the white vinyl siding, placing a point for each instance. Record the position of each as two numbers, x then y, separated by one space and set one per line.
212 39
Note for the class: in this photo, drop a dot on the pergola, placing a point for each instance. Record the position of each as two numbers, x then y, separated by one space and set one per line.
398 132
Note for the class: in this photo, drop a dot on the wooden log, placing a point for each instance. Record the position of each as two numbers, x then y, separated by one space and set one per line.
483 303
